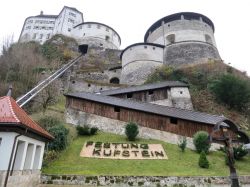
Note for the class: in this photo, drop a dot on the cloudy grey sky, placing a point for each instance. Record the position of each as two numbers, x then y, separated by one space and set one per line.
132 18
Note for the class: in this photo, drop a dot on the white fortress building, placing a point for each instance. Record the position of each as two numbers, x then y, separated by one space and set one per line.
69 22
42 27
174 40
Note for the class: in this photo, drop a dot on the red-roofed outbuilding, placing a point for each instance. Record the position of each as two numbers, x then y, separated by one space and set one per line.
22 143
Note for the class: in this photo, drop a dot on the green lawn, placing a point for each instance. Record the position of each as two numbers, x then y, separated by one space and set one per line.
178 164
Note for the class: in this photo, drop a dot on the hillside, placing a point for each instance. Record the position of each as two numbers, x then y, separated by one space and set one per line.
199 77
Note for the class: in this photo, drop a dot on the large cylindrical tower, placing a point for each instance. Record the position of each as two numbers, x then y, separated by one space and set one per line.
140 60
188 38
97 35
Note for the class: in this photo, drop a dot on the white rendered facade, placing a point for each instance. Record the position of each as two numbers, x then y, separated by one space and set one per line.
70 23
97 34
181 27
29 152
139 60
26 159
42 27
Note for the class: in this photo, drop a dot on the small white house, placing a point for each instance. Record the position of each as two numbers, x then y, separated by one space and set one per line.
22 144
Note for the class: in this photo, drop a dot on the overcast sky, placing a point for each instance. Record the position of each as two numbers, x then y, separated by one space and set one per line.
132 18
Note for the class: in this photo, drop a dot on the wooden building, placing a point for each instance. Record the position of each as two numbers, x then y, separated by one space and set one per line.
169 119
168 93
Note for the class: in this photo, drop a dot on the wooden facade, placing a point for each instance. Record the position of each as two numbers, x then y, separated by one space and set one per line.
146 95
142 118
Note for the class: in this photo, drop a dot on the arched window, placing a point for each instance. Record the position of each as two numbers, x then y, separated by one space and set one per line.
114 80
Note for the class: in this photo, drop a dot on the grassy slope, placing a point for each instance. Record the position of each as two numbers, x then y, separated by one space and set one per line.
178 164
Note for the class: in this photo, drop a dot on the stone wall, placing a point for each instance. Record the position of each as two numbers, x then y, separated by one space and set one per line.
136 73
26 178
127 181
118 127
189 52
79 85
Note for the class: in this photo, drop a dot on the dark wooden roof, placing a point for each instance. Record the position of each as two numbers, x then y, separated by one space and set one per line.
188 115
151 108
145 87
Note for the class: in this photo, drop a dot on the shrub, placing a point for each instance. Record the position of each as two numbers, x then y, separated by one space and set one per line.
183 144
85 130
239 152
201 141
49 156
203 162
93 130
231 90
131 131
49 121
56 128
60 142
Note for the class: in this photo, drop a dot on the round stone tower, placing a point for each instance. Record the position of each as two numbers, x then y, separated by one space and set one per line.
188 37
139 60
97 35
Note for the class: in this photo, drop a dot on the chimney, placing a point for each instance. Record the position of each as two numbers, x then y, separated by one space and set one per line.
9 91
41 13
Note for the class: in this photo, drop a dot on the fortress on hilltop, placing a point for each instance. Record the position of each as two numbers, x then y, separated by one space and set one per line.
175 40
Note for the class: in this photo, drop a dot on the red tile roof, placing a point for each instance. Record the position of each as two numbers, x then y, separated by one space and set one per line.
11 113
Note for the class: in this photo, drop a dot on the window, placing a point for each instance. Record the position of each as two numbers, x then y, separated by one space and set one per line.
34 36
117 109
36 27
41 36
181 92
80 27
145 47
72 14
170 38
129 95
69 29
150 92
106 38
89 26
71 20
30 21
28 27
0 141
153 48
208 38
89 85
101 45
48 35
107 29
173 120
98 26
